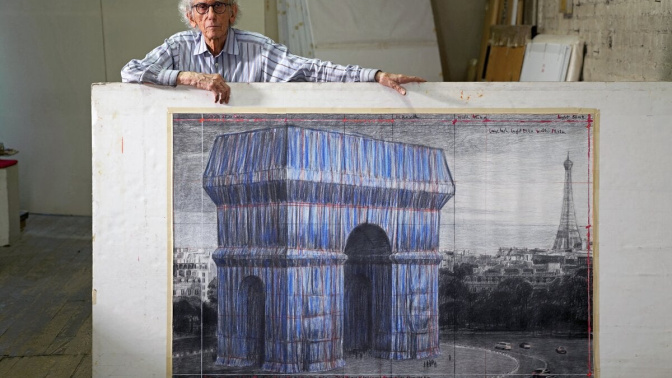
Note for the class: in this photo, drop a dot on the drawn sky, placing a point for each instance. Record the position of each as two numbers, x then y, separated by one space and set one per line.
509 186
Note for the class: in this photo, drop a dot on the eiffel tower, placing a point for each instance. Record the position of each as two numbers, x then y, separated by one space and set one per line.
568 238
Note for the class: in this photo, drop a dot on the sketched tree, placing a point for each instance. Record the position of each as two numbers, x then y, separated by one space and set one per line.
212 292
499 309
210 308
455 300
544 311
564 306
519 291
186 315
506 307
482 312
572 295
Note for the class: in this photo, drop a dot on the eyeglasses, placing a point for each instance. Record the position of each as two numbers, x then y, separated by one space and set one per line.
217 6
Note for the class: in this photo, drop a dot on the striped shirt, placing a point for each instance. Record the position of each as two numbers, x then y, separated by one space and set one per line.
246 57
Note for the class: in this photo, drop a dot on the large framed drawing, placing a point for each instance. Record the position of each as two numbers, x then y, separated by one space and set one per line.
383 243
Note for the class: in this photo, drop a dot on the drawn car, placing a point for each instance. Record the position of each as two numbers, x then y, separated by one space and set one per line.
525 345
542 373
561 350
502 345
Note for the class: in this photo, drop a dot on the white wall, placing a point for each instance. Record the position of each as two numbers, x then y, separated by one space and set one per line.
50 53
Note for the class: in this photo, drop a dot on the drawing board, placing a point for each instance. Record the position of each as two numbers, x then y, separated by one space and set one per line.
399 242
133 178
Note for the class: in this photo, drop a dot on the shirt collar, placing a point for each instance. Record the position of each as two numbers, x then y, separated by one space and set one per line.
230 46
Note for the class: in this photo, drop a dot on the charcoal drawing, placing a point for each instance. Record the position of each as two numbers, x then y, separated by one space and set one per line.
387 244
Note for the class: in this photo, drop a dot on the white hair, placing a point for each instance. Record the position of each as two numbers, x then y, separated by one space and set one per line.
184 7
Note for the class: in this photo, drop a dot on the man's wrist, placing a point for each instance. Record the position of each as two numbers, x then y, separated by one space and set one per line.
379 73
183 78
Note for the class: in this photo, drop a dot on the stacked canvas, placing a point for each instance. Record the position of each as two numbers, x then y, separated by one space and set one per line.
553 58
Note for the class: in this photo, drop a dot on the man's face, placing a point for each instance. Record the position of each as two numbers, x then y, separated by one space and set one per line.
214 26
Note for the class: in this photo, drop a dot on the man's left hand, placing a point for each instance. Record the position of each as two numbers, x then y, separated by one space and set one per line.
394 81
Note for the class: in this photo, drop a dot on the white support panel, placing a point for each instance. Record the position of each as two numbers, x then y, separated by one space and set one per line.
131 267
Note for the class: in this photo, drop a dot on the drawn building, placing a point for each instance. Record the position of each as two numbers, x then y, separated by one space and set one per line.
191 273
488 277
568 237
328 242
539 267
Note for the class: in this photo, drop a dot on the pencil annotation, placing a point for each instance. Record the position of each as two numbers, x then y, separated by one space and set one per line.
507 130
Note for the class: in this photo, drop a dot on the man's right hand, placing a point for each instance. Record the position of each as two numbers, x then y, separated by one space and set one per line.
210 82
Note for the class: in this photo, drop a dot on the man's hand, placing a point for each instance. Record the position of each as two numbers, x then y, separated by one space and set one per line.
394 81
210 82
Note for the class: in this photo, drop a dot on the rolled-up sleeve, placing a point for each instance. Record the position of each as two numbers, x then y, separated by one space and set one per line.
156 68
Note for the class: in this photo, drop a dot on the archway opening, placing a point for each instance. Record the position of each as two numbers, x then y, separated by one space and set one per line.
357 325
252 299
367 275
366 242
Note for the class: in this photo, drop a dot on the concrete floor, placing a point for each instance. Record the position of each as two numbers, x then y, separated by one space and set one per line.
45 299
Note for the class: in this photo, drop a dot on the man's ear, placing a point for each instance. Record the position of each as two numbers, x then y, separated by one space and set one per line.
191 19
234 14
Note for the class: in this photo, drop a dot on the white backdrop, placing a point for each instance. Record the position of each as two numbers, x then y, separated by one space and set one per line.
391 35
131 219
45 83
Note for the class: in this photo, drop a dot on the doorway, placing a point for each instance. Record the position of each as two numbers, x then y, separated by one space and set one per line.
252 299
367 287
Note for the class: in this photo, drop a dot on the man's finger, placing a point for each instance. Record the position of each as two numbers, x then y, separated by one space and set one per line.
394 85
410 79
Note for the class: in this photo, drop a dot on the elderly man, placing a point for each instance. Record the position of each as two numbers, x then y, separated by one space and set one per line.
214 53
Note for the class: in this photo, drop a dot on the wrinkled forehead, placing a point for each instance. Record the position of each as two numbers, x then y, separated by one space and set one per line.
210 2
